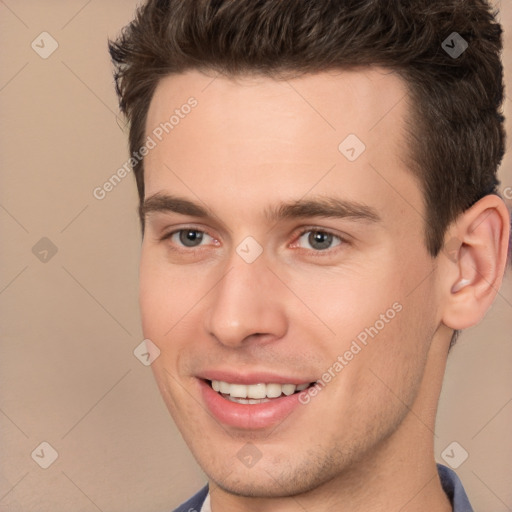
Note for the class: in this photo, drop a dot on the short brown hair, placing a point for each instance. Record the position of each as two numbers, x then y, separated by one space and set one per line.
456 133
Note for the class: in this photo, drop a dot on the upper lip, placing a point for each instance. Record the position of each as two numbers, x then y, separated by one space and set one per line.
252 377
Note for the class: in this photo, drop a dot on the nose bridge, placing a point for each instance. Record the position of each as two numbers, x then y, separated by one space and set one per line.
245 302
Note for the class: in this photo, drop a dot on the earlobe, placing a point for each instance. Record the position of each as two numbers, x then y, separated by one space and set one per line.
476 271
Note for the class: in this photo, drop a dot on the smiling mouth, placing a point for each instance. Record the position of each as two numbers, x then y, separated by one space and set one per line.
255 393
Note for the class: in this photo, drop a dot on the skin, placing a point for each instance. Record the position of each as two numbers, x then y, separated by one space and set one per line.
365 442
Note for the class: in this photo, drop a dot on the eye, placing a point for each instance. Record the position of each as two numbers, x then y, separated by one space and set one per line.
188 237
318 240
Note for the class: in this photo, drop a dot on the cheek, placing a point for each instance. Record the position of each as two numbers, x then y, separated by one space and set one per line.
155 306
166 296
346 301
395 358
377 325
171 307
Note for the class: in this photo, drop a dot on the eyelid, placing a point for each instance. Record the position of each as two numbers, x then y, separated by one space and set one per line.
344 240
168 235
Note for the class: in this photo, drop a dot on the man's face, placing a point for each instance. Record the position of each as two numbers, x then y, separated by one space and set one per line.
356 287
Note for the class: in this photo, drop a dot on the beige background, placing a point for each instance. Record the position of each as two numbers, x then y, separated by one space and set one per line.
68 374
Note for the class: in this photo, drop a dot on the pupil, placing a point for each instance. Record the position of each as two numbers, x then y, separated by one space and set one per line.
320 240
190 238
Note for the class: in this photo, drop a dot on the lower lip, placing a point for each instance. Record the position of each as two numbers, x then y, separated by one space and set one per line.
248 416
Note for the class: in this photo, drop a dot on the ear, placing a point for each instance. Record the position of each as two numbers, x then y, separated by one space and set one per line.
474 262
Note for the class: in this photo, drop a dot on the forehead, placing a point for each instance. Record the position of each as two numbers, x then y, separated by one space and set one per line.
278 139
330 94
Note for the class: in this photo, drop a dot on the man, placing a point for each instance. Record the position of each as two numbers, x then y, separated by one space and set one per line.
320 217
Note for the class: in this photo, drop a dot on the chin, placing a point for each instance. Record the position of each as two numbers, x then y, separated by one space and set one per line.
263 480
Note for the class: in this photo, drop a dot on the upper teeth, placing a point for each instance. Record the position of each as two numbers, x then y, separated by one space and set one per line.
256 391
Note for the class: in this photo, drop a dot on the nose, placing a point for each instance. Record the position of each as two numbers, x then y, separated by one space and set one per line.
246 305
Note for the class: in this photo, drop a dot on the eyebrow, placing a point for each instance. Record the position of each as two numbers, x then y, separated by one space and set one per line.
165 203
321 206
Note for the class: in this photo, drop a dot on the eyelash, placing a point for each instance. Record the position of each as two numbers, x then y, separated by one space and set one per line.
326 252
343 241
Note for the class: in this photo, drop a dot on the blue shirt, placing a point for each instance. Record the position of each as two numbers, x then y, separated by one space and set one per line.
452 486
